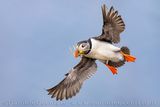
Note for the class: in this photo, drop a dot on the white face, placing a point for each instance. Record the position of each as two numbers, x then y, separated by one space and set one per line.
83 47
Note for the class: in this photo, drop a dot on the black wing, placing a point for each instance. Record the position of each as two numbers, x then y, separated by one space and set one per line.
73 81
113 25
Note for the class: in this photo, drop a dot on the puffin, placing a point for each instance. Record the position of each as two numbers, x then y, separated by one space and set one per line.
101 48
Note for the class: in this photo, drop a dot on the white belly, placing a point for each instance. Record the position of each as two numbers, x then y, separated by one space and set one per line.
104 51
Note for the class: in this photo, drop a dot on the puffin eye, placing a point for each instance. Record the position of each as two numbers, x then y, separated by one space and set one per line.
83 45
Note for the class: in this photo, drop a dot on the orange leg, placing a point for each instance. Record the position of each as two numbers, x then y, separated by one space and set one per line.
113 69
128 58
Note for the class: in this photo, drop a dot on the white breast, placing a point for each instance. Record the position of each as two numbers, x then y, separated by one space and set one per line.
104 51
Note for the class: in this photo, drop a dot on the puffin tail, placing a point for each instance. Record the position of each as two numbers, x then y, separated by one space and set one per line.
126 53
127 58
125 50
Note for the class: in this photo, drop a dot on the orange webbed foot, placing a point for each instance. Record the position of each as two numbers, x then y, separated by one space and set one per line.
128 58
112 69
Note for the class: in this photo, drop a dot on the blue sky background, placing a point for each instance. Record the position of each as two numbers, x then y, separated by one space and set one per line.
35 36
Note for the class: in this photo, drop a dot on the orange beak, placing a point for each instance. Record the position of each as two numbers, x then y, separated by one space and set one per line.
76 53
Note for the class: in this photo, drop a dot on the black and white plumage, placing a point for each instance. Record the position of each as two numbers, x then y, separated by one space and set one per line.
96 48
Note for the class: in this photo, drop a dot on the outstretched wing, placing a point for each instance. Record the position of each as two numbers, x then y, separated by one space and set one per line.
113 25
73 81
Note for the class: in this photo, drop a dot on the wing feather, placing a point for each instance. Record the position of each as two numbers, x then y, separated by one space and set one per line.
73 81
113 25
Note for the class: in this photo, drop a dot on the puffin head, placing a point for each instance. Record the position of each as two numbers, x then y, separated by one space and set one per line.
82 48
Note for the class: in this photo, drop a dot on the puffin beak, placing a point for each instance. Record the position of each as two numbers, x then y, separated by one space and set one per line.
76 53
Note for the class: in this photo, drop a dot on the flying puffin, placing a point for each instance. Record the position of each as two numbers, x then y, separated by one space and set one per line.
99 48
